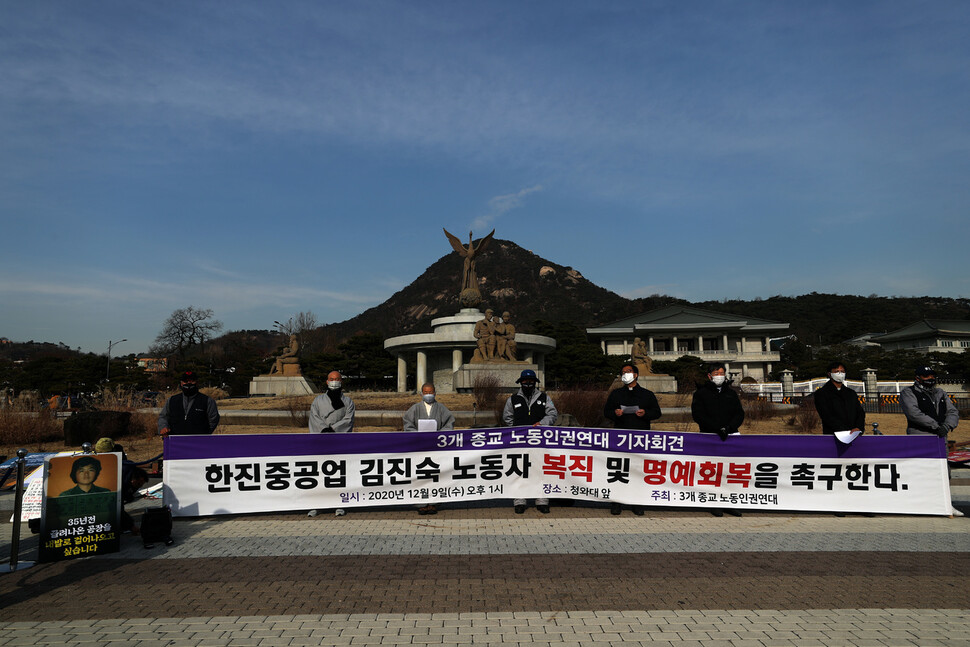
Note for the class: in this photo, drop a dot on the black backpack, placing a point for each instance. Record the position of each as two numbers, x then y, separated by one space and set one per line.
156 525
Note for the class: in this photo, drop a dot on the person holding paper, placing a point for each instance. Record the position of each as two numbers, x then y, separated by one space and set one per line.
533 408
631 407
838 406
928 410
429 414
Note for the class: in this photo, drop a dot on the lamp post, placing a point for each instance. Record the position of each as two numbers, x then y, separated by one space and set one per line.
107 373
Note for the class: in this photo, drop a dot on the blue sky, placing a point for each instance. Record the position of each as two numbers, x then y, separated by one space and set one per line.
262 159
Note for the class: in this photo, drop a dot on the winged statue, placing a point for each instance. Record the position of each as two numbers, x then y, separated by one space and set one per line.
469 280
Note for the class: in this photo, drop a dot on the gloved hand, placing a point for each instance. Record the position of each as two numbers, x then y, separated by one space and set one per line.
943 430
722 433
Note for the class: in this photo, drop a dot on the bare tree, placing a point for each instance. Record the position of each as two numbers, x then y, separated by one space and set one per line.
300 325
184 329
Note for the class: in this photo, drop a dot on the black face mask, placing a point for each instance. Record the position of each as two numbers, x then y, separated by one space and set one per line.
528 389
190 389
928 384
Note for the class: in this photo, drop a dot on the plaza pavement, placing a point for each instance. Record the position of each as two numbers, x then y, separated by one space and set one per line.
482 574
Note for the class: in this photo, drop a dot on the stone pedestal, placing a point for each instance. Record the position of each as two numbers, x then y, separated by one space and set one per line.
443 354
463 380
658 383
276 385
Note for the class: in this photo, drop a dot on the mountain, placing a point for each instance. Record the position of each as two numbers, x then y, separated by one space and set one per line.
531 288
510 278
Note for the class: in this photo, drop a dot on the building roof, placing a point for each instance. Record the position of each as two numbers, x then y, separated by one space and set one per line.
687 319
925 328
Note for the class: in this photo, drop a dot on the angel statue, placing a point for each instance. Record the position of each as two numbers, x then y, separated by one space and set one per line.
469 296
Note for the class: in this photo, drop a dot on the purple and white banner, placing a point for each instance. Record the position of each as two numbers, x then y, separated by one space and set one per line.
230 474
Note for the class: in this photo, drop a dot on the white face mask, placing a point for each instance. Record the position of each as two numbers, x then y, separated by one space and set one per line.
428 397
334 384
629 378
718 380
838 377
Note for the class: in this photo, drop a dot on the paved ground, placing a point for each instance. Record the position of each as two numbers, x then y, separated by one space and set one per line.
486 575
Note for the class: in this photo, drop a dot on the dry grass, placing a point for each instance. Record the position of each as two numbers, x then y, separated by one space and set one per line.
806 420
685 423
299 411
759 409
487 391
585 404
22 424
142 422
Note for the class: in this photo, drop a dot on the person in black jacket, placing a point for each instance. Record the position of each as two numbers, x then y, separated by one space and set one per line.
631 407
716 407
191 413
838 406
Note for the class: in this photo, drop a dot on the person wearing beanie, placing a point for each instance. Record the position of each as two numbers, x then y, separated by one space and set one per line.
529 407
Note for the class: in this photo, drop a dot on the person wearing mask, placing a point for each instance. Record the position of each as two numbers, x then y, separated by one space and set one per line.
529 407
190 413
631 407
716 408
428 415
928 409
838 406
332 412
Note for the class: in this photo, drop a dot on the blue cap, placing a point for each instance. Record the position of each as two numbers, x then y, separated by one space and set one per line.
527 374
925 370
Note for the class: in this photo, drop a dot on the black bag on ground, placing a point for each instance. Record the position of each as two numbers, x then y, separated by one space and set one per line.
156 525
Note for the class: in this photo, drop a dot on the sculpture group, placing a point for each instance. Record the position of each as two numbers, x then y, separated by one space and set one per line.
495 339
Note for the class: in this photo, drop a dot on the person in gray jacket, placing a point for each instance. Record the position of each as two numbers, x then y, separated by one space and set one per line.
332 412
928 409
435 417
429 409
529 407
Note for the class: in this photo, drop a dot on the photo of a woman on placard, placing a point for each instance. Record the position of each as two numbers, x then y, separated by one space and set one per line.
84 472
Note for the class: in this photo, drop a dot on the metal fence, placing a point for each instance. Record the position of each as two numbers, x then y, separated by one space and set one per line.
882 403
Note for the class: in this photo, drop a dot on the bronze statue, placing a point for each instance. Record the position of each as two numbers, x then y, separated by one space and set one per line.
506 339
288 356
641 357
469 279
485 334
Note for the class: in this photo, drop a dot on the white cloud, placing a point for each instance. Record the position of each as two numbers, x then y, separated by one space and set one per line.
502 204
223 295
